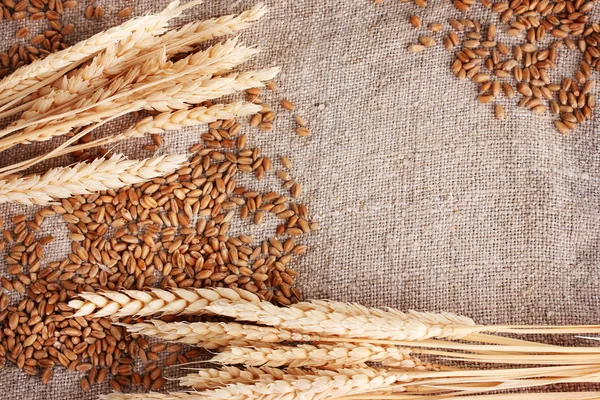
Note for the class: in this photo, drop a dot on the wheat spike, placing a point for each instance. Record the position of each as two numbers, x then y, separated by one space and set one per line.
119 57
21 81
316 385
182 40
172 121
181 95
321 355
343 324
155 301
85 178
213 335
210 378
92 76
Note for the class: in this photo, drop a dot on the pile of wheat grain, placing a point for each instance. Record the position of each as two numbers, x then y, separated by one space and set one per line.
483 54
332 350
162 221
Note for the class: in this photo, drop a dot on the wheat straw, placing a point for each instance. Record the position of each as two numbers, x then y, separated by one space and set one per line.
84 178
212 335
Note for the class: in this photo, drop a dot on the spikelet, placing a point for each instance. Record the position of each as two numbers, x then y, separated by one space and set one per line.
85 178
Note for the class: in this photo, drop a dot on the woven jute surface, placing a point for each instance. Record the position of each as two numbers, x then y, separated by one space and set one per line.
425 201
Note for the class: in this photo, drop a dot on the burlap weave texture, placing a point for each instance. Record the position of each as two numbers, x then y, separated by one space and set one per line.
425 201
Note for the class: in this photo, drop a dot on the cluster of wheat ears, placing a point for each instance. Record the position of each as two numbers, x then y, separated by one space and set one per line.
142 64
333 350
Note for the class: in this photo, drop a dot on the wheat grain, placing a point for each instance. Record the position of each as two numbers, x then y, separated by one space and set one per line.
155 301
84 178
212 335
24 79
322 355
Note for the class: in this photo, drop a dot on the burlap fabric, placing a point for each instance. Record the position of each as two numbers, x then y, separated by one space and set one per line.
425 201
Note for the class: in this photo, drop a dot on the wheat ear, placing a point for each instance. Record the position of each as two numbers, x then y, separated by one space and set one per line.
118 58
84 178
93 75
322 385
213 335
343 324
180 96
210 378
25 78
172 121
155 301
321 355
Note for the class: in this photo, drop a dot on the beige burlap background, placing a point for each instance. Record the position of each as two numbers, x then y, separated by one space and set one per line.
425 201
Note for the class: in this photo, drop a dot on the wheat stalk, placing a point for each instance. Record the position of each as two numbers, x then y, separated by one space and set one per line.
84 178
321 355
27 78
212 335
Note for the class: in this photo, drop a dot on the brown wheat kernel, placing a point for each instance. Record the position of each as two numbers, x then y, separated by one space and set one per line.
89 12
296 190
67 29
435 27
272 86
427 41
415 48
300 120
562 128
85 384
23 32
415 21
285 161
288 105
485 98
124 13
98 12
303 131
